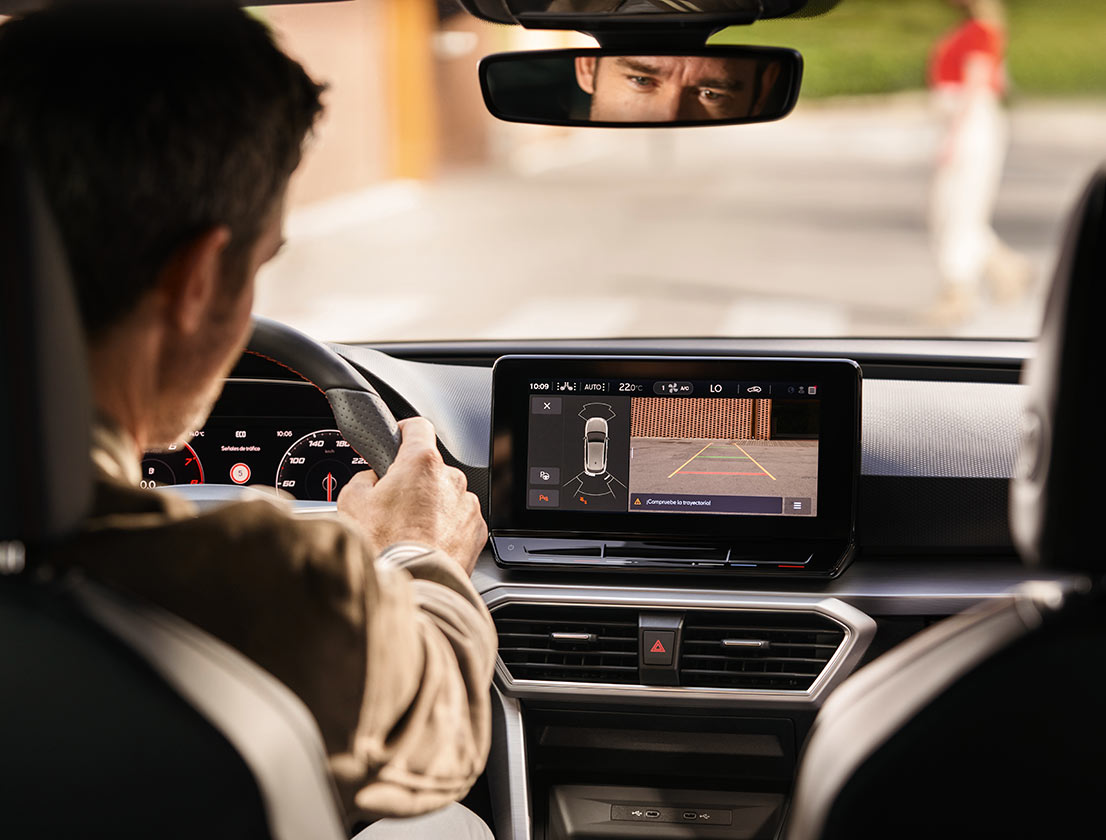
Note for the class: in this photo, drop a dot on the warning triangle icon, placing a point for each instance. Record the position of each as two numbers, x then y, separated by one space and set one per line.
637 501
657 647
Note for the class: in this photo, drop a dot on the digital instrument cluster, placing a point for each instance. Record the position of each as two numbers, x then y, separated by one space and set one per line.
307 462
304 456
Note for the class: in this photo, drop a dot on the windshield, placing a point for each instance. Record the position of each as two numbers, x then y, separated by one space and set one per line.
918 189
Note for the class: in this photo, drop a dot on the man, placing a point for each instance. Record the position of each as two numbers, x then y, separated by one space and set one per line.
164 136
670 88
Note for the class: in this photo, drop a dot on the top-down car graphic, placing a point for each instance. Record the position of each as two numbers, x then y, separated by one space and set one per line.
595 446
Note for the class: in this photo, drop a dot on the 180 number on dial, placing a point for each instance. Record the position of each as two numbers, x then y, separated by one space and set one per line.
318 465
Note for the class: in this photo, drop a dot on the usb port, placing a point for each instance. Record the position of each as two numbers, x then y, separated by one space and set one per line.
691 815
652 814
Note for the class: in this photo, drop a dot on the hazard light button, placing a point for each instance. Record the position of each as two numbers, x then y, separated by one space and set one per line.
656 646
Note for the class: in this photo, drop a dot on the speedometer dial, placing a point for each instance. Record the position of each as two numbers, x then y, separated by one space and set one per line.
318 465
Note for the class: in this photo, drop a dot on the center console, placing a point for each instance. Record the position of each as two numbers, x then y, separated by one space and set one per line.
629 712
653 710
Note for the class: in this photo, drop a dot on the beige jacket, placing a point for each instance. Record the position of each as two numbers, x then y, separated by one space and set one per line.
392 654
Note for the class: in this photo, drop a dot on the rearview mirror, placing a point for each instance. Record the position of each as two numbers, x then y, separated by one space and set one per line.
600 87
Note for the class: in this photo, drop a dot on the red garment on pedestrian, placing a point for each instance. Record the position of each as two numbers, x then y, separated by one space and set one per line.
950 56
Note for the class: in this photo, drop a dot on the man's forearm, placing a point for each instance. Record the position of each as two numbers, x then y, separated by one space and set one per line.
425 728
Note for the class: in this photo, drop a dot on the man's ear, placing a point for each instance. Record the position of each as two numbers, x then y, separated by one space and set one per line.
189 281
585 72
767 85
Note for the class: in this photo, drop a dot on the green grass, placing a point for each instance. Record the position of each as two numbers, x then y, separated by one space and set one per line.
1057 47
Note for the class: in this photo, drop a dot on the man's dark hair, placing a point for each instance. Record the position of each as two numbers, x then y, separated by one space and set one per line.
149 123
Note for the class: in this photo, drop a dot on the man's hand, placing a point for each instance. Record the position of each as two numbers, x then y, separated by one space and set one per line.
419 500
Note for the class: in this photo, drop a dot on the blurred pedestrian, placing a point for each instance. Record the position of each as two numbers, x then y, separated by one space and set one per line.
967 73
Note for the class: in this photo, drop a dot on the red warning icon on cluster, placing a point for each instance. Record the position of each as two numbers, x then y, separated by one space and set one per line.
657 647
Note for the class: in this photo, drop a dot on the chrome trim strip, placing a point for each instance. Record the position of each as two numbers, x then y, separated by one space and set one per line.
208 496
507 773
745 643
308 507
572 637
879 587
859 630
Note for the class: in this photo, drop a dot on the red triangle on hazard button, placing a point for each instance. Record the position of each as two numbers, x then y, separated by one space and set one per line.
657 647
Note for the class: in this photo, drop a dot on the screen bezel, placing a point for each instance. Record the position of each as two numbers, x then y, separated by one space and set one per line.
838 451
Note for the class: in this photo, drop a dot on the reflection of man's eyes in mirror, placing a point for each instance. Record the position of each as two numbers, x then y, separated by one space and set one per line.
654 89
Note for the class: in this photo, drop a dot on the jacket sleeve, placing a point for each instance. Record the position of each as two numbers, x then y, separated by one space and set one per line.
424 729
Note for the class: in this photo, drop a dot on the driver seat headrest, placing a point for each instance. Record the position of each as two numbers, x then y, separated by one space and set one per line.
1053 510
45 410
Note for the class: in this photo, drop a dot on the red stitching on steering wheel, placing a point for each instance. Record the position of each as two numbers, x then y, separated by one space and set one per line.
286 367
297 373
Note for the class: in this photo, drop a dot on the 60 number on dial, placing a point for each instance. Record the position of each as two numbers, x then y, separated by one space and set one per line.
318 466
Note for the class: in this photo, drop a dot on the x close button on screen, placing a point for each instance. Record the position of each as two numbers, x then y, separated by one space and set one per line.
545 405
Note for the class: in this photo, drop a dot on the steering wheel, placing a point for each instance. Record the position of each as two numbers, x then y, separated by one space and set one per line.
362 417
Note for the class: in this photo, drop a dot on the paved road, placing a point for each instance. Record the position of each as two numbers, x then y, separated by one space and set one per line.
811 226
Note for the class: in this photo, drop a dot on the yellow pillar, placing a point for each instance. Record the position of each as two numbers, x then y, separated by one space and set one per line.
413 105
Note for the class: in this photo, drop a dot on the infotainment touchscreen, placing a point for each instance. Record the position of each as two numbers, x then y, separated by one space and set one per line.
674 447
696 454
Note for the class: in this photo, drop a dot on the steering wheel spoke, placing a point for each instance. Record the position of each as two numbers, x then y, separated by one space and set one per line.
362 416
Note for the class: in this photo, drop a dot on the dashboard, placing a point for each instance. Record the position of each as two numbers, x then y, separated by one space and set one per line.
938 436
652 683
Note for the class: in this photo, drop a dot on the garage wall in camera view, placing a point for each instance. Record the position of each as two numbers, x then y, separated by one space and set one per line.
725 419
724 455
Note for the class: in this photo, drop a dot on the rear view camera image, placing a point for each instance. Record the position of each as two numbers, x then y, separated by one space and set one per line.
721 455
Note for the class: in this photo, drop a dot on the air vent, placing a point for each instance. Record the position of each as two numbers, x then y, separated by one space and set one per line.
568 644
780 651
